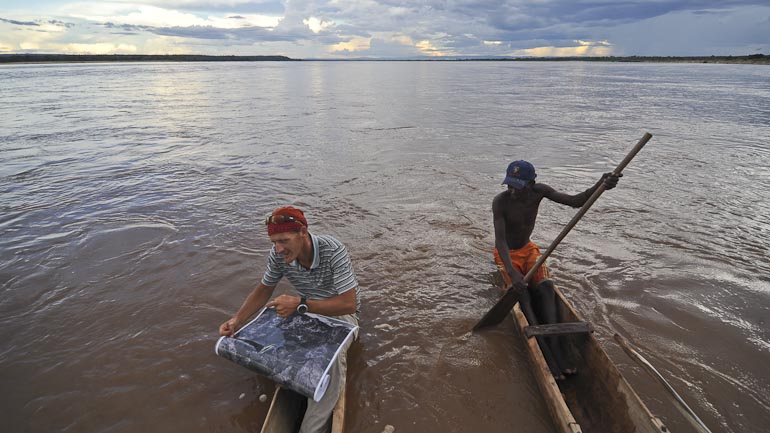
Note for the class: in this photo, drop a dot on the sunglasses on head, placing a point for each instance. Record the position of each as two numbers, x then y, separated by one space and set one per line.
278 219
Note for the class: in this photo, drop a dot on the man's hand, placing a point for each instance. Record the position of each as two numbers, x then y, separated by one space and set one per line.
611 180
284 305
519 286
228 328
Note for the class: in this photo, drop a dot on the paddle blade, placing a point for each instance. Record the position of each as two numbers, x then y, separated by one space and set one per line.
500 310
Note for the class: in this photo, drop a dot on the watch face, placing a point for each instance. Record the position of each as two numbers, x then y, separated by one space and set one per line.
302 309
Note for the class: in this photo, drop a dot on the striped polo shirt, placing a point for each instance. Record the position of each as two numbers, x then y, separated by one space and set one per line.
331 273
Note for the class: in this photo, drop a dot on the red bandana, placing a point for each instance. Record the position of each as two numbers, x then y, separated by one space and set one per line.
287 226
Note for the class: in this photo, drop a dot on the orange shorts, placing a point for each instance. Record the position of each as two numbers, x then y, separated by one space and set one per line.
523 259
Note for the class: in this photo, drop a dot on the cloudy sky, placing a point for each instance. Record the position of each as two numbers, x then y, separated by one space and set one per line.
387 28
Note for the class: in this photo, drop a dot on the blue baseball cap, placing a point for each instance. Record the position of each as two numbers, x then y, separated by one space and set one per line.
519 174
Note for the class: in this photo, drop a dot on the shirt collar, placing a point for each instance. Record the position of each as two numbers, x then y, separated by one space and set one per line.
316 255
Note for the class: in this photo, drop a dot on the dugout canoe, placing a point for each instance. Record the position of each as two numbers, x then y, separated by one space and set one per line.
287 408
598 398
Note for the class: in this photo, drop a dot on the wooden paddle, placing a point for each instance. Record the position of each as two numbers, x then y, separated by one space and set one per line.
496 315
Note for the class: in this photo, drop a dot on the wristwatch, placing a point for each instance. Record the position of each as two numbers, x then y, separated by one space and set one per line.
302 307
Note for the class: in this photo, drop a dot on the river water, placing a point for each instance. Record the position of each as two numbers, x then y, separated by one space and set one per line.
132 196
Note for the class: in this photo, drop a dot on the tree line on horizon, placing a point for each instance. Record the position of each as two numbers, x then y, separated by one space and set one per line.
16 58
40 58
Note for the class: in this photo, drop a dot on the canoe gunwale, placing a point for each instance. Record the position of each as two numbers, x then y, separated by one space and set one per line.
612 383
560 412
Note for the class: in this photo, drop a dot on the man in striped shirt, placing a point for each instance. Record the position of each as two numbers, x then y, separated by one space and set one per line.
319 268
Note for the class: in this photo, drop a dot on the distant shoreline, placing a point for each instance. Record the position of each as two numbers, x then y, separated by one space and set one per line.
754 59
87 58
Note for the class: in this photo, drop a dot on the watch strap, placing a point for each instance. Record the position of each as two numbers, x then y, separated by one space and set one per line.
302 307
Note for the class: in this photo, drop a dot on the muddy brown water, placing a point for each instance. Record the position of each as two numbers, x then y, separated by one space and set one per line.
132 196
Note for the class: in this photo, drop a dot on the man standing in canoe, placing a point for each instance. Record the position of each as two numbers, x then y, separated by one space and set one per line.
514 212
320 270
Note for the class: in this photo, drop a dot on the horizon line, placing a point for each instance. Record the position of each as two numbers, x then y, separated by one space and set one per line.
18 57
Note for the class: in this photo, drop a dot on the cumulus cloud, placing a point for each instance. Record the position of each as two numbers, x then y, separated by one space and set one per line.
153 16
356 45
579 49
244 6
99 48
316 25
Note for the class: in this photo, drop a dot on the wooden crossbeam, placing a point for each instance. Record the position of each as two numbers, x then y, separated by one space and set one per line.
558 329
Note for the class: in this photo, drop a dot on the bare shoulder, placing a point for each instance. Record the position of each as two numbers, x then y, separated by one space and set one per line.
543 189
500 199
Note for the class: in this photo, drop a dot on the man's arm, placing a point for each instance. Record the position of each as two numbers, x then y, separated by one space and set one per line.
501 243
610 181
253 303
339 305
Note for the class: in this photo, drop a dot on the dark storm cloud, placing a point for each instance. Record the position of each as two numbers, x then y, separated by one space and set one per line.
243 34
462 25
130 28
517 15
61 24
517 11
20 23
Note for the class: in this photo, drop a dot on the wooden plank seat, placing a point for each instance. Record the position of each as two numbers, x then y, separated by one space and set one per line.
558 329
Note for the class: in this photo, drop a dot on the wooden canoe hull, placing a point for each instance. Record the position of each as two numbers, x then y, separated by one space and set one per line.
598 398
287 408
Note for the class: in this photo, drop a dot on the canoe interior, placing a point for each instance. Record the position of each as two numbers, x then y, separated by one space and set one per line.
598 398
287 409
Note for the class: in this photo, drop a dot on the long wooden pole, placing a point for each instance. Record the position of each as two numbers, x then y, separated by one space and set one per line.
595 196
498 312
